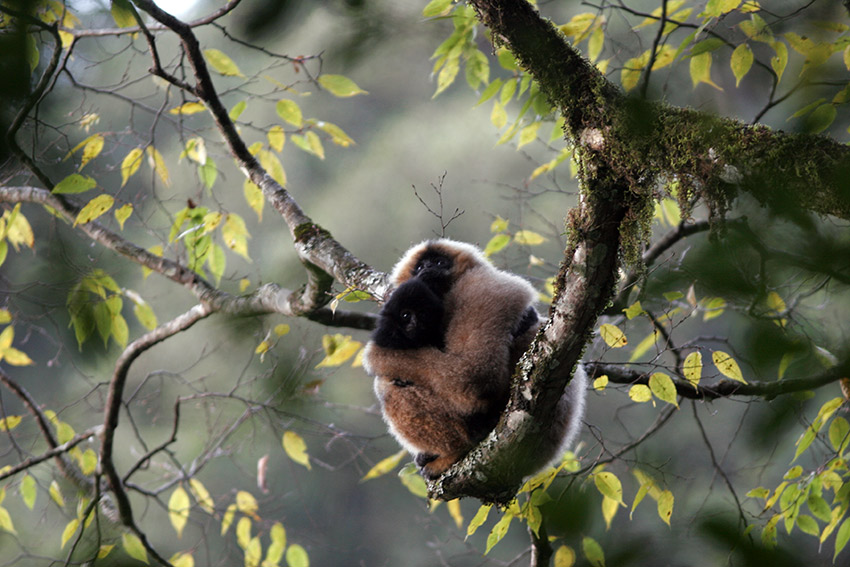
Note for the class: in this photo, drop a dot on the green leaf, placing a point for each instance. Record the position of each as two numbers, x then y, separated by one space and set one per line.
340 86
338 136
741 62
75 183
276 138
134 547
237 110
123 213
490 91
478 520
310 143
254 197
839 430
528 238
779 61
436 8
122 13
273 166
821 118
499 531
593 552
700 69
28 491
6 521
564 557
208 173
706 46
842 537
235 234
222 63
274 553
528 134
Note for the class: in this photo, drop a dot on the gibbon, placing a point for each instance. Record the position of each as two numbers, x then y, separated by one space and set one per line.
444 350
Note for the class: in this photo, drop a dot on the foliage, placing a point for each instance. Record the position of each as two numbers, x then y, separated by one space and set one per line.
738 314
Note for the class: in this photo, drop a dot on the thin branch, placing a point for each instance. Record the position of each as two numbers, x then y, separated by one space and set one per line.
113 408
56 451
724 388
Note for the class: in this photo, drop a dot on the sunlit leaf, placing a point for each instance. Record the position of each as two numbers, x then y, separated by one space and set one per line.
340 86
296 448
191 107
692 368
564 557
640 393
182 560
276 138
479 519
338 136
227 518
254 197
436 8
28 491
338 349
384 466
202 495
779 61
609 510
662 386
237 110
290 112
94 208
700 69
665 506
56 494
235 234
498 532
122 13
246 503
528 238
123 213
727 366
157 164
134 547
609 485
222 63
274 553
741 62
178 509
70 529
613 336
273 166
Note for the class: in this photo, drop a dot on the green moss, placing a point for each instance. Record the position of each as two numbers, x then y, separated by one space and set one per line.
308 231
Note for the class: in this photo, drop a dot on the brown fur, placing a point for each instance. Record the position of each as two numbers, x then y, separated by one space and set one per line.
441 403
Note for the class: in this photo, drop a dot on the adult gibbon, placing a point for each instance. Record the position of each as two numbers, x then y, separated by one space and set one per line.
442 389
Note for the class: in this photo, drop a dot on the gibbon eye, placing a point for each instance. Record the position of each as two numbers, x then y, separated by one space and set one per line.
406 315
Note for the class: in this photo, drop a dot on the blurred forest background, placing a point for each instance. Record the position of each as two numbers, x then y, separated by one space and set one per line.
410 146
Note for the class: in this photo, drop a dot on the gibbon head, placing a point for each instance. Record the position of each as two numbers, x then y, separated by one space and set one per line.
411 318
438 263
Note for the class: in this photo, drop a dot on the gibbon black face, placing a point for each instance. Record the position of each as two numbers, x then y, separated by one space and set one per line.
435 269
411 318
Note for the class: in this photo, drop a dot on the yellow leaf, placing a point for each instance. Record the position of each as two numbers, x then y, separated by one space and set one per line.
273 166
104 550
663 388
134 547
338 349
528 134
130 164
92 149
5 316
236 235
609 510
600 383
296 448
498 116
18 230
564 557
613 336
191 107
455 512
16 357
254 197
178 509
290 112
181 559
199 491
609 486
6 338
281 329
157 163
6 521
246 503
274 553
665 506
528 238
28 491
384 466
56 494
741 62
219 61
296 556
70 530
10 422
727 366
498 532
340 86
692 368
640 393
227 518
94 208
479 519
338 136
122 214
243 532
276 138
253 552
